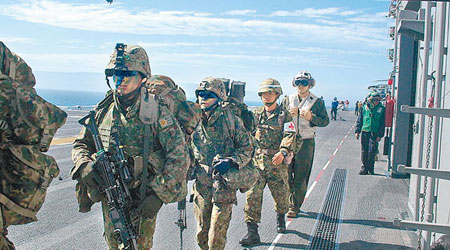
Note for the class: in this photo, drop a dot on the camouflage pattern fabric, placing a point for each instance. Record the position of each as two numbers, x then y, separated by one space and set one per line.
216 138
145 227
135 59
271 137
168 154
213 219
241 110
187 113
300 168
5 244
15 67
27 126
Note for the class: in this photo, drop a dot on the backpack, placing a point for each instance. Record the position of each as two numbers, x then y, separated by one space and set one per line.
27 126
248 175
241 110
187 113
173 96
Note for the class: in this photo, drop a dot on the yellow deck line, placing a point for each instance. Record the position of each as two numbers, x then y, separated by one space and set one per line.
58 141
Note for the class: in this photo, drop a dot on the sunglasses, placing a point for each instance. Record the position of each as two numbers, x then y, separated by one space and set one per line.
302 82
207 94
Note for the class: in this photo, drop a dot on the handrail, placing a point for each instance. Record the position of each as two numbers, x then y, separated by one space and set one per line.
445 113
431 227
435 173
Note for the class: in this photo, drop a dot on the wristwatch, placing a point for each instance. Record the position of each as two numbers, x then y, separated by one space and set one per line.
284 153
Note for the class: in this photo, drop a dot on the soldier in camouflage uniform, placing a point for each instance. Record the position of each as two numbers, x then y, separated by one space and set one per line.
221 147
147 130
308 112
275 133
27 126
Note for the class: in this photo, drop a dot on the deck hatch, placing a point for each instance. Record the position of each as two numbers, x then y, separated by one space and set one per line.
326 230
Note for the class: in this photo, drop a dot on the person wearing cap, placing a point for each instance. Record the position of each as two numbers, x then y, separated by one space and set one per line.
153 144
222 148
275 134
370 127
308 112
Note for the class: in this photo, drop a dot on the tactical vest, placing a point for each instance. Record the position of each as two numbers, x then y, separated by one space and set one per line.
302 125
168 190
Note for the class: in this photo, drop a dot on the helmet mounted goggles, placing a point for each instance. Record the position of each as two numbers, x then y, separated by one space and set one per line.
301 81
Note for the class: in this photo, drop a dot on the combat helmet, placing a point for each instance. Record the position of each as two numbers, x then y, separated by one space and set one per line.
270 85
214 85
128 58
304 75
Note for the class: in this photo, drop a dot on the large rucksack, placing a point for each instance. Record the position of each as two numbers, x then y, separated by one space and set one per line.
27 126
173 96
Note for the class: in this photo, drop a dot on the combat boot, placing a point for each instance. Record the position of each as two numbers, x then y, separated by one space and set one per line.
281 223
252 236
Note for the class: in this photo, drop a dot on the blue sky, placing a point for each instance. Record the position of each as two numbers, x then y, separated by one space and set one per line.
342 43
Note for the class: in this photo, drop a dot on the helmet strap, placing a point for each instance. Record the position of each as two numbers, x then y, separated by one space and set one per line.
268 104
211 107
107 82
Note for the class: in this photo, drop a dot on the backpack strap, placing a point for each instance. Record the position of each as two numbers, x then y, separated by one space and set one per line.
11 205
230 126
144 177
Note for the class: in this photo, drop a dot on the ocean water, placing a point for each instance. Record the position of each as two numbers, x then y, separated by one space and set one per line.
73 99
67 98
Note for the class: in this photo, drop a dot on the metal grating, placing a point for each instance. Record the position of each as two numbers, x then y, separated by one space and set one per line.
328 221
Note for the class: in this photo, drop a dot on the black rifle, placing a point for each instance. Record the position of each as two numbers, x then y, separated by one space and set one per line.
116 176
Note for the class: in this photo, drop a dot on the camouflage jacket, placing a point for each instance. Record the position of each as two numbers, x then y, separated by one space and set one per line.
220 136
168 154
270 131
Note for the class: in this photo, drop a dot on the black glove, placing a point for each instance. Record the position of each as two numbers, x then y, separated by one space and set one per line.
222 166
150 206
90 175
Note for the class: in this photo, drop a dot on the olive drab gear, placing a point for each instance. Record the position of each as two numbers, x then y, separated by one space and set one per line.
134 59
270 85
173 96
214 85
237 91
27 126
304 75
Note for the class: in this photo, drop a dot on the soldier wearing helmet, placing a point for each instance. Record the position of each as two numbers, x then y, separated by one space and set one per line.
275 133
308 112
146 128
370 125
222 148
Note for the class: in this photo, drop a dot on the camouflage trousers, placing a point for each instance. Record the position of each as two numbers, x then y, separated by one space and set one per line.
299 174
276 177
5 244
146 230
213 218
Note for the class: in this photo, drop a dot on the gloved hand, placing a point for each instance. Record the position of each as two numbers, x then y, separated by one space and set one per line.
150 206
222 166
90 175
